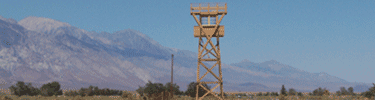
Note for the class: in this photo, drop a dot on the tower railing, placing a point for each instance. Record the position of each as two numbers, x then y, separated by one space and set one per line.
208 7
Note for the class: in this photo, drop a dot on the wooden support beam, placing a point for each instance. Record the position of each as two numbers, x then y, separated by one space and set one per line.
209 91
209 59
211 72
207 71
209 51
210 82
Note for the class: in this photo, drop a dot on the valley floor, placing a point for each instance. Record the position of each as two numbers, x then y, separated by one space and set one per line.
14 97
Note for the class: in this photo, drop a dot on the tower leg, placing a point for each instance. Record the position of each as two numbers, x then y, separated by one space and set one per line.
220 74
196 95
199 60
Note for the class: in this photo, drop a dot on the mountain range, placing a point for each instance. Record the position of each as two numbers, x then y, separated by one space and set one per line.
41 50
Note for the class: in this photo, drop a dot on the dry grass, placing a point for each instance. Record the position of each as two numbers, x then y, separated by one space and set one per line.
137 97
187 98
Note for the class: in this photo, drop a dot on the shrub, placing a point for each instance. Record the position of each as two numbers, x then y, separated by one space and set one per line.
251 96
191 91
343 91
351 90
319 91
274 94
154 89
7 98
90 91
338 93
140 90
300 94
51 89
267 94
1 94
22 89
370 93
157 91
282 97
176 88
230 96
82 92
292 91
94 90
106 91
259 94
326 92
71 93
127 95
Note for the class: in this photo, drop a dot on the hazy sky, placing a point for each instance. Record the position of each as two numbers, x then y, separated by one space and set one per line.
332 36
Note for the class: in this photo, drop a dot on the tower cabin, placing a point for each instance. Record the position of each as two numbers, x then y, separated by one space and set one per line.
208 18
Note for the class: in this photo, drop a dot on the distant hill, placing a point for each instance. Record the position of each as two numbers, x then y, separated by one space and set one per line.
41 50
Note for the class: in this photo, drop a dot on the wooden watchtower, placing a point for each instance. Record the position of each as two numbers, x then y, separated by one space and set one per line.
208 27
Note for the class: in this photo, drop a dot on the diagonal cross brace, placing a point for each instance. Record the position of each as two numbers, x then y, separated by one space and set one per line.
209 91
208 51
209 70
212 45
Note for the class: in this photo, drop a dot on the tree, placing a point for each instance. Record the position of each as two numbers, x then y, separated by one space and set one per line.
283 90
370 93
22 89
82 91
292 91
267 94
157 91
90 91
140 90
106 91
154 89
176 88
191 91
319 91
343 91
18 89
51 89
71 93
300 94
326 92
96 90
351 90
128 95
338 93
274 94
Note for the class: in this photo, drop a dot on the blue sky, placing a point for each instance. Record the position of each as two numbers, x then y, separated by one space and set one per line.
332 36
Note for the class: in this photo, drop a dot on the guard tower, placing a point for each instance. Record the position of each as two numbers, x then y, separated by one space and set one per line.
208 27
